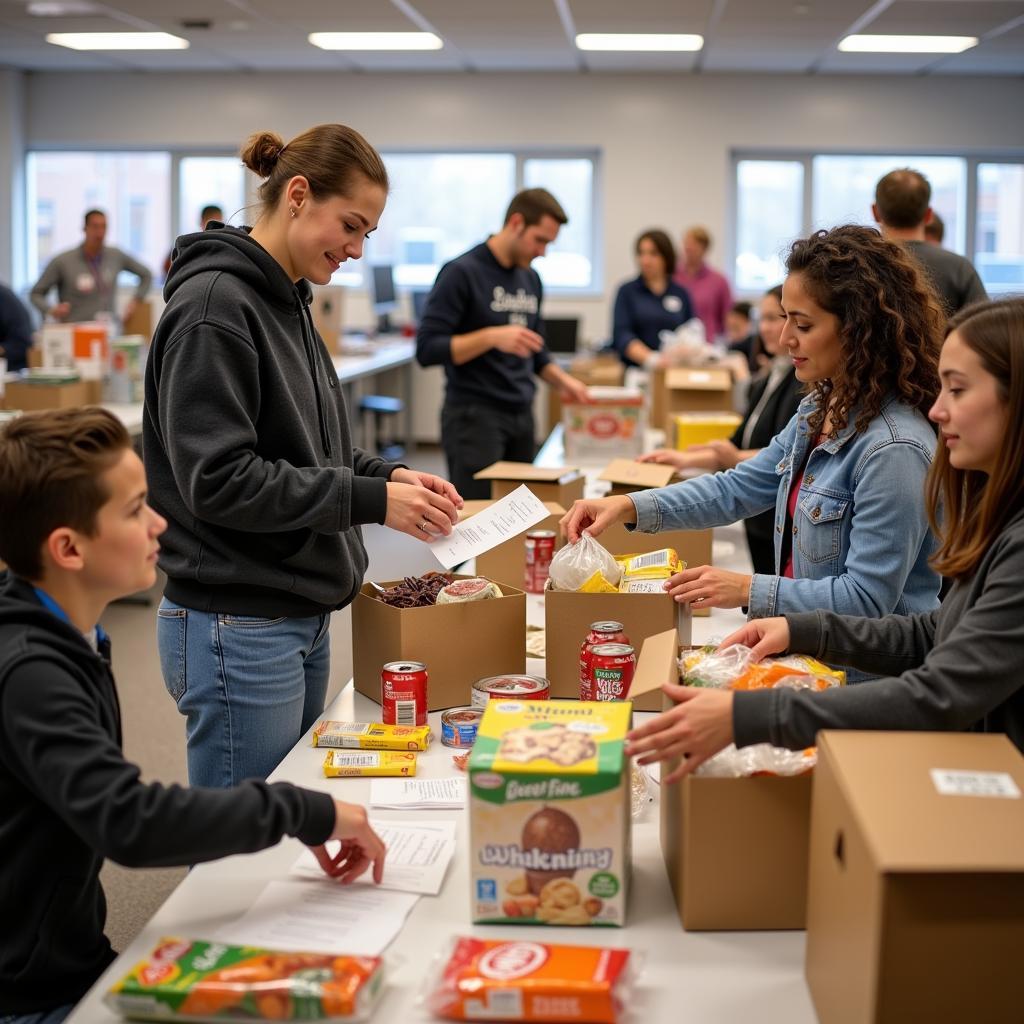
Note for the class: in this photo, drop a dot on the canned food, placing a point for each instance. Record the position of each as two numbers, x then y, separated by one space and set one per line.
611 671
403 693
605 632
540 549
459 725
510 688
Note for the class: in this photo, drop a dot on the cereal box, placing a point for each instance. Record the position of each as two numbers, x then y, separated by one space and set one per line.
550 813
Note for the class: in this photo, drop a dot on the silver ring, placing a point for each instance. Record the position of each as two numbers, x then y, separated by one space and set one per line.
423 526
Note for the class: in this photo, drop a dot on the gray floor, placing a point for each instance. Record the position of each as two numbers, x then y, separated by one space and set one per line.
154 736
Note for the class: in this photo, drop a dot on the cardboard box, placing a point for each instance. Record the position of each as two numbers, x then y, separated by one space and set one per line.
459 643
567 620
549 814
560 485
507 562
140 322
609 425
30 397
916 896
628 475
56 347
701 427
735 849
326 310
592 370
681 389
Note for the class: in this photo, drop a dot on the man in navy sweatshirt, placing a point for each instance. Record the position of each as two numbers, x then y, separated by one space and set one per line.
482 323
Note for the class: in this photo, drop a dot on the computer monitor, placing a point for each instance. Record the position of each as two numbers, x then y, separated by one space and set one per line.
385 301
561 335
419 304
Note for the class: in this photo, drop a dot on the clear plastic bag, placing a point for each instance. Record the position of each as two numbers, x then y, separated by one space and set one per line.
575 566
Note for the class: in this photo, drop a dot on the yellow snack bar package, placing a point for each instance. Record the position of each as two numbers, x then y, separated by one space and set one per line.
654 565
371 736
598 584
365 764
197 980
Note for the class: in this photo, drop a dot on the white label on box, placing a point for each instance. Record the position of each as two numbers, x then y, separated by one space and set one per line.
951 782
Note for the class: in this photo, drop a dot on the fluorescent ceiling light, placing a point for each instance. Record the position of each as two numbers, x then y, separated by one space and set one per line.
907 44
651 42
375 40
59 8
117 40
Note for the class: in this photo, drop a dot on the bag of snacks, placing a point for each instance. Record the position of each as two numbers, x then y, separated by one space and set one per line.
586 567
485 980
468 590
194 980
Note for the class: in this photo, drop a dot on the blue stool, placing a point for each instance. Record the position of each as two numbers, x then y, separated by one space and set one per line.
378 416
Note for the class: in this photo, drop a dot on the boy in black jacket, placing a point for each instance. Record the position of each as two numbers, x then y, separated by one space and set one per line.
76 533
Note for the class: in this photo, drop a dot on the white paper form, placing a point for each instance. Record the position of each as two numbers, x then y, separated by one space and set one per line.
507 517
322 916
416 794
418 857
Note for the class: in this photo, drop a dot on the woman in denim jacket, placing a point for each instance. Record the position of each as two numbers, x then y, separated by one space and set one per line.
846 476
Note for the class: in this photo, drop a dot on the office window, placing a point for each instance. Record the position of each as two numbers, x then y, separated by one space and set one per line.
999 234
211 181
569 262
769 215
133 189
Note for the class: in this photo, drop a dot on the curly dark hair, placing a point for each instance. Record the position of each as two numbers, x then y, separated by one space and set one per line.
891 324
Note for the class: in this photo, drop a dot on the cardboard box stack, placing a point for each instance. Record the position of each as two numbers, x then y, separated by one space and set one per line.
681 389
610 424
916 891
701 427
47 389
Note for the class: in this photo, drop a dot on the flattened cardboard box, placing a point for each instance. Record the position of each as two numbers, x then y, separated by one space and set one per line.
735 849
567 620
561 485
459 643
507 562
916 888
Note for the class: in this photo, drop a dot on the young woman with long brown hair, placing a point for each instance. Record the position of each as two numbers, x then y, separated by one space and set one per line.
958 667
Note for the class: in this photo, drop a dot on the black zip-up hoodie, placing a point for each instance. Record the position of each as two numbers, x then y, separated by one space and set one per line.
68 798
246 440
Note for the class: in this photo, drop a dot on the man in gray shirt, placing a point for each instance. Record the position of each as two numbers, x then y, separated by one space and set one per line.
902 208
86 277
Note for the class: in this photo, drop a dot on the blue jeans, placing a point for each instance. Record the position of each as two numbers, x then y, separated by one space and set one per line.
249 687
54 1016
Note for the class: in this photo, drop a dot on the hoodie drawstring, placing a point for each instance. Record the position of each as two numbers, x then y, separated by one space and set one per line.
313 357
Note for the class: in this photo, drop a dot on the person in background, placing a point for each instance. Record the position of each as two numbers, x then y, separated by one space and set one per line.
955 667
935 230
772 401
206 215
846 475
76 533
483 324
86 278
649 304
902 208
708 289
742 338
15 330
250 459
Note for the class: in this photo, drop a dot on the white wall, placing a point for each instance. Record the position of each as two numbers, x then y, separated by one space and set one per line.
665 140
12 174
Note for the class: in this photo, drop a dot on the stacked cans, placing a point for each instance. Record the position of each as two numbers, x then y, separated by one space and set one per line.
607 662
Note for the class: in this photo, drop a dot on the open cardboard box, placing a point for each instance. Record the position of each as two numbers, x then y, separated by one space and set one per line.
569 615
735 849
506 564
628 475
561 485
682 389
916 890
459 643
592 370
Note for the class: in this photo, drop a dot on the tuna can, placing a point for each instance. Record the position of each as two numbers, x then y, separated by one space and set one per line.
540 549
611 671
459 725
403 693
510 688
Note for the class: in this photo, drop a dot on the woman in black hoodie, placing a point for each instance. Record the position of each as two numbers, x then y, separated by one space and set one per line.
250 459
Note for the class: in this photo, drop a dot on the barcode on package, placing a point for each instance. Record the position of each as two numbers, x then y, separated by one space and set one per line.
405 712
502 1004
365 760
654 559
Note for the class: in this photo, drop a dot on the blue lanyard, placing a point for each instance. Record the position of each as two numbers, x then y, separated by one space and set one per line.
51 606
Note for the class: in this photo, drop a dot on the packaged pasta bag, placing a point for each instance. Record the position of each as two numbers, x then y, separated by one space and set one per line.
586 567
196 980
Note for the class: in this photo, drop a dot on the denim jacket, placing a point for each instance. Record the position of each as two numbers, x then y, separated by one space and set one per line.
861 539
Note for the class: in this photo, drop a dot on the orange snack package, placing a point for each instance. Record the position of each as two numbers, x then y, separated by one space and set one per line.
531 981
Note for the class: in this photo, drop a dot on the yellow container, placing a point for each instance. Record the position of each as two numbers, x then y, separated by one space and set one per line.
700 428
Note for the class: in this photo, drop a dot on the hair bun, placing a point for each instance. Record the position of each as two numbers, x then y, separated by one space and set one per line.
260 153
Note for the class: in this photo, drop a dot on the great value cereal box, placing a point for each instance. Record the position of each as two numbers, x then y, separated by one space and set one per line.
550 813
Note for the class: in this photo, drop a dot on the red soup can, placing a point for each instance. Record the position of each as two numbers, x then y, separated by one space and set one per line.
540 549
605 632
611 671
403 693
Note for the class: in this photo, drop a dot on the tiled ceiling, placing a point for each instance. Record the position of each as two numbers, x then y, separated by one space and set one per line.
527 35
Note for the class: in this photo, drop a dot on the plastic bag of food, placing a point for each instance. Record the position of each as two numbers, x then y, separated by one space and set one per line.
196 980
585 566
477 979
476 589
